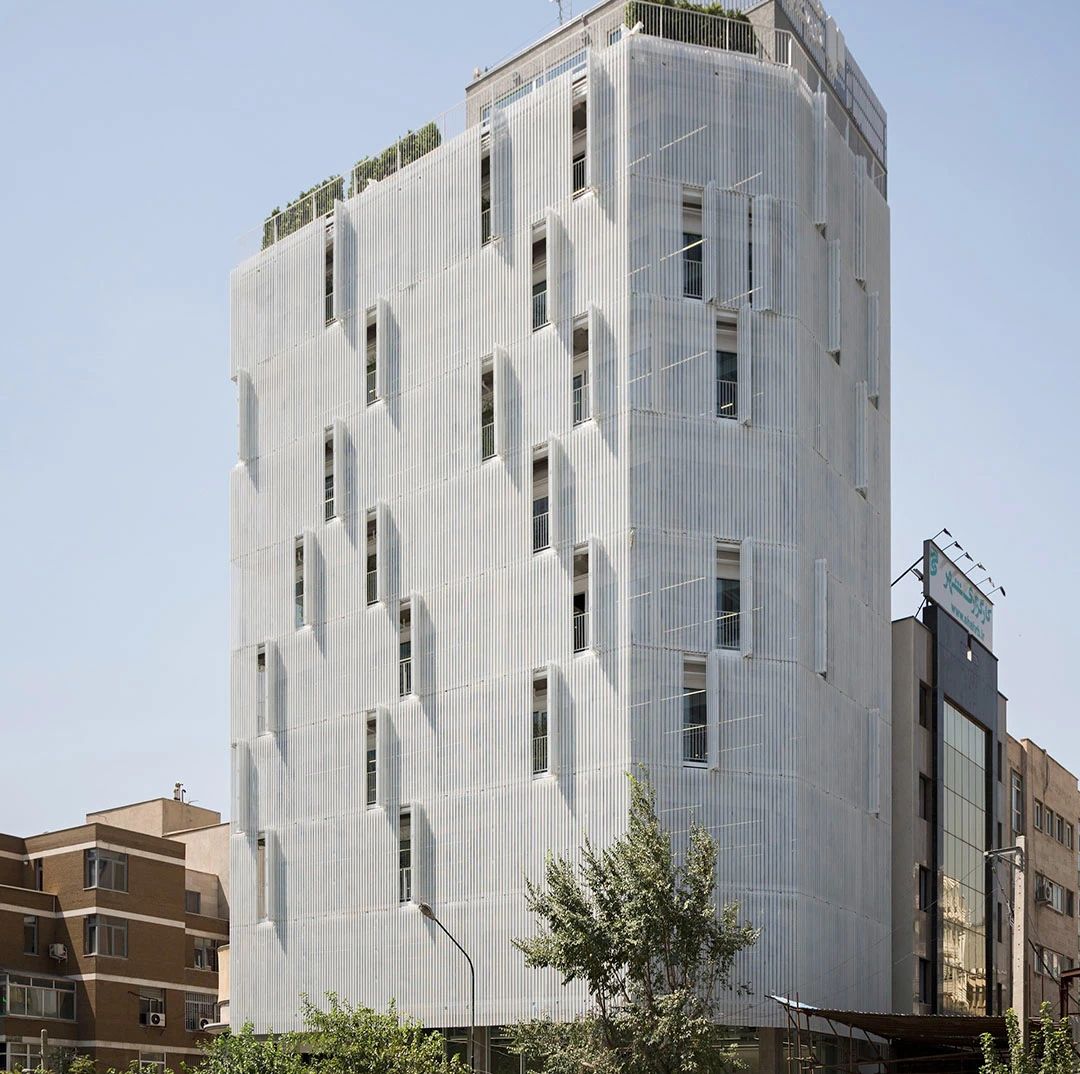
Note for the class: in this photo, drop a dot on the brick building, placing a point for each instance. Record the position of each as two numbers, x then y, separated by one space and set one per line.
109 934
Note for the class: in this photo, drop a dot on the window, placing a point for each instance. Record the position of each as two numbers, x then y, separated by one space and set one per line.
405 857
260 690
579 119
1048 820
260 877
485 188
541 527
727 371
39 877
540 725
750 251
205 955
579 376
1000 923
487 410
692 243
1017 803
405 680
1060 834
106 869
200 1010
1049 893
926 981
539 278
328 275
151 1001
695 719
1038 815
1070 902
37 997
328 473
998 755
580 607
926 797
151 1063
298 582
926 888
1069 836
192 902
926 706
371 352
22 1056
106 936
371 760
372 558
30 935
727 597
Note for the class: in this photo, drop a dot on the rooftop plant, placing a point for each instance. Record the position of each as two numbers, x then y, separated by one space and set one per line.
404 151
673 19
304 208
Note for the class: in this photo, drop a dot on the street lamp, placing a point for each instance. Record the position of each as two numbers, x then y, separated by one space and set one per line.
427 911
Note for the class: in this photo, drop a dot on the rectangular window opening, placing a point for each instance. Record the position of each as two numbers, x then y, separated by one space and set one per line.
926 797
540 759
580 606
405 857
200 1010
487 410
192 902
371 351
728 605
328 473
30 935
695 713
926 706
485 188
727 370
371 755
692 245
260 877
205 953
541 504
372 552
106 869
260 690
926 888
405 679
539 277
579 383
298 582
151 1004
328 277
106 936
579 123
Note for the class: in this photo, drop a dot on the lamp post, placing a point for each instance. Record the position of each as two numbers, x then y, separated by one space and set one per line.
427 911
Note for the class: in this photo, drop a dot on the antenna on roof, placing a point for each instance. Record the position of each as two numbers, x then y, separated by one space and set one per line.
569 4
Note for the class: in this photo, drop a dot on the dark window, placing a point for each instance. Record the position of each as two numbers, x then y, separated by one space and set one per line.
926 981
926 797
1070 904
192 902
1000 930
926 888
999 761
926 705
30 935
106 869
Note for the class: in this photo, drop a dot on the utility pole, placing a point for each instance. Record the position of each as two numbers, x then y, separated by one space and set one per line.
1018 854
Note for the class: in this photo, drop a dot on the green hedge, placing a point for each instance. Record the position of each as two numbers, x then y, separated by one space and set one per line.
302 210
409 148
677 23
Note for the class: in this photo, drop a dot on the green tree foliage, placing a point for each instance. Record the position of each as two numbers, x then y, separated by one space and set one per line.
1049 1051
642 931
304 208
404 151
675 20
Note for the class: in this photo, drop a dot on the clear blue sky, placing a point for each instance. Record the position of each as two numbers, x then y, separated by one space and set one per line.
141 139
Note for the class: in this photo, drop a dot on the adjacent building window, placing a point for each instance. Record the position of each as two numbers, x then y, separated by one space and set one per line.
260 692
21 1056
151 1063
205 955
1038 814
372 558
405 680
39 876
371 754
328 276
260 877
487 410
37 997
151 1002
192 902
926 981
694 714
200 1010
1050 893
580 606
539 277
106 869
579 376
926 797
579 125
485 188
926 888
692 244
926 706
405 856
30 935
727 370
106 936
371 352
328 473
298 582
728 604
540 764
541 517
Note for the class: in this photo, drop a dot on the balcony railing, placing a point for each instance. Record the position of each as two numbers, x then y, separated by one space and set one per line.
694 27
371 390
695 743
405 677
487 441
581 403
372 782
541 536
539 309
372 587
405 884
539 754
692 274
485 226
329 307
581 631
328 503
727 630
727 398
580 177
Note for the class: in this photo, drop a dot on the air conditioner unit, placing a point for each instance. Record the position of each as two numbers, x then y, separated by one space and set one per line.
204 1022
156 1019
58 951
1043 894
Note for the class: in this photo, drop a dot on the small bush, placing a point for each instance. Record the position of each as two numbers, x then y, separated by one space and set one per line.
404 151
302 210
735 34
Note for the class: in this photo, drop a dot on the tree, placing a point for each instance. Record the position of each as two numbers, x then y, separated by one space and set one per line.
1050 1050
642 932
244 1053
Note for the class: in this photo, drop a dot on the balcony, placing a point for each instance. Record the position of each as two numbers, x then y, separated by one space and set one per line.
371 390
692 271
371 780
487 441
539 309
541 536
581 402
581 631
405 677
328 501
540 751
405 884
727 630
727 398
695 743
579 175
485 226
373 587
329 308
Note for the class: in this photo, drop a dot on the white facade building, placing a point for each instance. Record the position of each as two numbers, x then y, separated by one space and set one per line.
565 448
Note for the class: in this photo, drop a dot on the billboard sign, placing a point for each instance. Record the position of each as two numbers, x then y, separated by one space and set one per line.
953 592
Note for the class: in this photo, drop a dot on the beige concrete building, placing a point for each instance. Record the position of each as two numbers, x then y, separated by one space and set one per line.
109 934
1044 806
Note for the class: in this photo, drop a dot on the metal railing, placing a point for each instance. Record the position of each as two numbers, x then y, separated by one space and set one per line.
581 402
692 272
405 883
329 307
485 226
581 631
405 677
539 309
727 398
487 441
328 500
696 28
695 743
373 586
580 184
372 778
727 630
539 753
541 535
298 603
371 389
310 205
